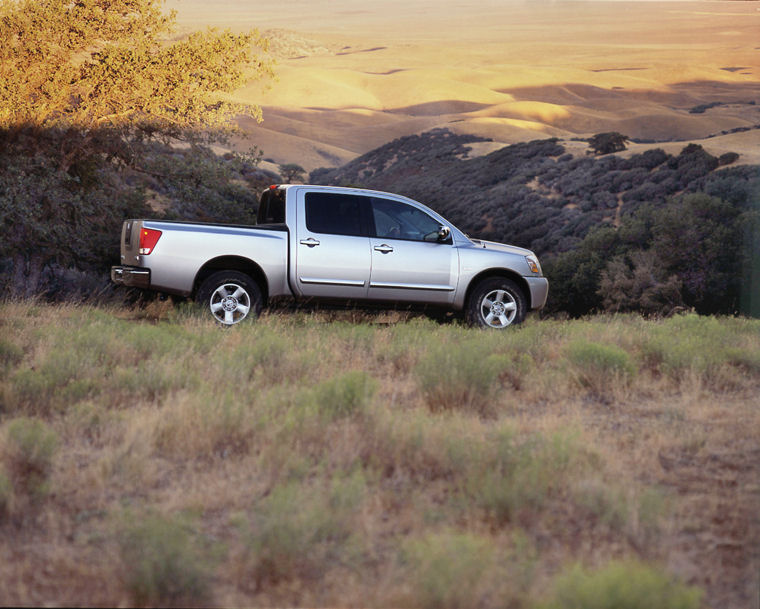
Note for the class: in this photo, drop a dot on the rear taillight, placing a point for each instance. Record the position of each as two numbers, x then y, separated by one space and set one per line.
148 239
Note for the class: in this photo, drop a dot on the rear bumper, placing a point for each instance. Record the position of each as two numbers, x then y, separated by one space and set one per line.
539 290
130 276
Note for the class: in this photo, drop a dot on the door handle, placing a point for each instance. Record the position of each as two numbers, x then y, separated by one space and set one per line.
310 242
384 249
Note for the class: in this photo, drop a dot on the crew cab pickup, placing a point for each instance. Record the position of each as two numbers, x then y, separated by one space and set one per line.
337 244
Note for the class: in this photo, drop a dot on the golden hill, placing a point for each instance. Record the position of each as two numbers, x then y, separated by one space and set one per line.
352 79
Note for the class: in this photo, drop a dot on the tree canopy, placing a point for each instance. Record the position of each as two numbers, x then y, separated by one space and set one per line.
291 172
91 64
607 143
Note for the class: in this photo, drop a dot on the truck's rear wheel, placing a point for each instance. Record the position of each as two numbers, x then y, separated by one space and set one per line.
496 303
230 296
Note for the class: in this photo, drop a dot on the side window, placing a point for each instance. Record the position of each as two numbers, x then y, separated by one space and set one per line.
395 220
334 214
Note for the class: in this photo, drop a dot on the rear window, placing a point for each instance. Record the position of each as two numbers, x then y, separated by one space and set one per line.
271 207
335 214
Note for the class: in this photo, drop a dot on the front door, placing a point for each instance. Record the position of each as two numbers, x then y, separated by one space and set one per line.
409 261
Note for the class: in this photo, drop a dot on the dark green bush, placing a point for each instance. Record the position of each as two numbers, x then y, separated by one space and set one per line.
29 446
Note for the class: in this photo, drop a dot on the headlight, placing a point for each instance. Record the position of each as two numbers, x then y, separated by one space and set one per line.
533 264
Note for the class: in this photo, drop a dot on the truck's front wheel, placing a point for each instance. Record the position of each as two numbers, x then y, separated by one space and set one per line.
496 303
230 296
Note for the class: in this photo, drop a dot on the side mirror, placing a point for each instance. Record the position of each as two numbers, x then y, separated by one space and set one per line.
444 232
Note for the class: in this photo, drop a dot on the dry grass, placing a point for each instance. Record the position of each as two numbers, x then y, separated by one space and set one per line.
314 459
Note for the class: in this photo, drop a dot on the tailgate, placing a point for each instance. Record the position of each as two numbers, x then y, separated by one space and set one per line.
130 242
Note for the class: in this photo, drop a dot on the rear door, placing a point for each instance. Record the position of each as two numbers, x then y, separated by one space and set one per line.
332 245
409 262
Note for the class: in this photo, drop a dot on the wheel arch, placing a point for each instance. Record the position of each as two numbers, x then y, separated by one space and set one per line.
233 263
506 274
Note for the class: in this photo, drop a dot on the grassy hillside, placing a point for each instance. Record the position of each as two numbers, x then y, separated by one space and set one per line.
150 457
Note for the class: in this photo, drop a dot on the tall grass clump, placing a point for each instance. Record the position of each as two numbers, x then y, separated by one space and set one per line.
600 367
206 423
300 530
260 354
51 385
692 347
165 563
521 476
621 585
10 354
405 343
459 377
421 445
450 570
28 449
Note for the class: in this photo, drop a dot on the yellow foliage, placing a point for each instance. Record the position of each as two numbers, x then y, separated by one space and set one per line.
93 63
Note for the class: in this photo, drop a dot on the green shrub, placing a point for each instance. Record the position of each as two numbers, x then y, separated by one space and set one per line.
462 376
165 564
345 395
744 358
28 451
300 530
44 389
10 354
152 380
522 476
263 354
599 367
621 585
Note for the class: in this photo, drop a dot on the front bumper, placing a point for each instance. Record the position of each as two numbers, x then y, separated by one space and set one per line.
130 276
539 290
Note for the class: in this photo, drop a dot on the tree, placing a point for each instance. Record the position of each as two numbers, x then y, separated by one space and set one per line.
607 143
88 65
92 92
694 251
290 172
638 282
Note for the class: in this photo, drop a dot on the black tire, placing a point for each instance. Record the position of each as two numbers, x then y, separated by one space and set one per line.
230 297
496 303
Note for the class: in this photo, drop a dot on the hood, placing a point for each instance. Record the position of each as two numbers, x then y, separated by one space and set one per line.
501 247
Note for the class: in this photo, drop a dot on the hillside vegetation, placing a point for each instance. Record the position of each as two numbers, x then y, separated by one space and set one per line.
652 232
149 457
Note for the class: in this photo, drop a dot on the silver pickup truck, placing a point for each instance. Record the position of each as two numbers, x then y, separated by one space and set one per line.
344 244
